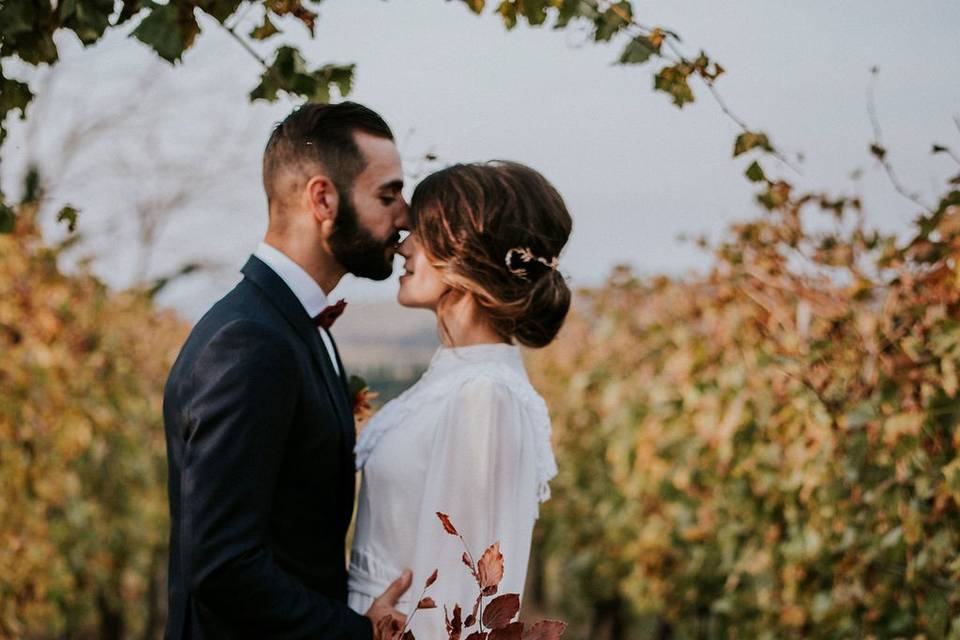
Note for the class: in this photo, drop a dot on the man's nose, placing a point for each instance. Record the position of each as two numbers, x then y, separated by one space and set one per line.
402 220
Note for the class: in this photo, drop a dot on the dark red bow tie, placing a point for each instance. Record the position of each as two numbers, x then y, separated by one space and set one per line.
328 316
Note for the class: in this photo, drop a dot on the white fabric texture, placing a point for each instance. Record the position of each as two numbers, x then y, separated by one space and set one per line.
470 439
304 287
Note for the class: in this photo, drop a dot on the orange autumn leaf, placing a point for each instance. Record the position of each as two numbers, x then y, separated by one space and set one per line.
447 525
490 569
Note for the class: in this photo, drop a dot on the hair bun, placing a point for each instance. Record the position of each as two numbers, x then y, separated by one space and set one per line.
495 230
547 305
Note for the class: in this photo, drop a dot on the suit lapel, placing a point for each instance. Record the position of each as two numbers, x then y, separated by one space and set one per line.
344 378
283 298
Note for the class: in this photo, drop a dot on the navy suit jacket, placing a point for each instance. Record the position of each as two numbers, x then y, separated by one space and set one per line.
260 437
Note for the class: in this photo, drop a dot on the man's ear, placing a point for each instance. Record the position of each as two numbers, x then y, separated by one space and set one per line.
323 201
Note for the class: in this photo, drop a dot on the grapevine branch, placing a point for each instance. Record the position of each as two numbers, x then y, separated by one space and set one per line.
246 46
708 82
880 152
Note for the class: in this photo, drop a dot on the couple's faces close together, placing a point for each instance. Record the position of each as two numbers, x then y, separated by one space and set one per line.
368 225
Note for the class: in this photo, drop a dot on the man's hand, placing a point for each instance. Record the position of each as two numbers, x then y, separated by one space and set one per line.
384 609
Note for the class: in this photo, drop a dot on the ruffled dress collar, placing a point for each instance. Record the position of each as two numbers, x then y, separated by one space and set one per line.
449 367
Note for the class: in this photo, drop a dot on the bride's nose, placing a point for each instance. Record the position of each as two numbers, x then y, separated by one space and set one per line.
406 247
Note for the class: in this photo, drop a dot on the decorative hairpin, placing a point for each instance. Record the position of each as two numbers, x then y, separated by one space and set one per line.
526 256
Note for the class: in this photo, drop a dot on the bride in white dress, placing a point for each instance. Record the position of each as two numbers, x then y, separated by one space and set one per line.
472 437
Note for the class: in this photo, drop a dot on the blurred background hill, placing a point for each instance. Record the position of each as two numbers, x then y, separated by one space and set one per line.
389 346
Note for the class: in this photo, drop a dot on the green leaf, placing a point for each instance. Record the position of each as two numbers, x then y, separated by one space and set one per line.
14 95
508 11
612 20
750 140
571 9
342 76
288 73
66 9
265 30
8 218
88 19
219 9
878 152
755 172
32 185
26 30
673 80
170 29
356 384
69 215
130 8
535 11
637 51
475 5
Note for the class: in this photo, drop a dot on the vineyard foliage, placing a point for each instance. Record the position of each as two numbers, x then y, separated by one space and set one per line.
83 513
769 450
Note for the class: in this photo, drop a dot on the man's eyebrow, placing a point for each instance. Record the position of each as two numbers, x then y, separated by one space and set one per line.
393 185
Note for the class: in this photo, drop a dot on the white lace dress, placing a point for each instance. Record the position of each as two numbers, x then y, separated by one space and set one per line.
470 439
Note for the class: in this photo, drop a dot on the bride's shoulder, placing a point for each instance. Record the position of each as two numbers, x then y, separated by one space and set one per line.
492 386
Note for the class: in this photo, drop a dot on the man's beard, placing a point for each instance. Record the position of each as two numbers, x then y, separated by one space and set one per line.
356 249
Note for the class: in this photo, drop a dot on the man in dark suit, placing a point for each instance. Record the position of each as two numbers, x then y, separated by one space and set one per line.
259 425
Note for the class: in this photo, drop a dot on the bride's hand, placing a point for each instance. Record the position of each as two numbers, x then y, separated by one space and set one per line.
384 607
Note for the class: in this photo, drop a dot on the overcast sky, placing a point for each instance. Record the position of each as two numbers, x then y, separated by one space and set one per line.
635 171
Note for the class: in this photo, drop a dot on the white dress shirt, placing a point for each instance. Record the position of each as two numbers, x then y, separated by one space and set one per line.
470 439
308 292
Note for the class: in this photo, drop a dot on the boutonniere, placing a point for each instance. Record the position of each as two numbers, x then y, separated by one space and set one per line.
362 398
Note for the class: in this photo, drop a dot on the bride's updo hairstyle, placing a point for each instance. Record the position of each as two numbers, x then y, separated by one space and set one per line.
495 231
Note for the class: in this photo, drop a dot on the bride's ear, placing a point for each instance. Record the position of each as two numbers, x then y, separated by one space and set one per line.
323 200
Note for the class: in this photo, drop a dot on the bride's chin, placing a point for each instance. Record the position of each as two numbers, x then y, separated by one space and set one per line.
403 299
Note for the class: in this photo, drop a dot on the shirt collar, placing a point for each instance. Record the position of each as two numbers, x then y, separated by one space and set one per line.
308 292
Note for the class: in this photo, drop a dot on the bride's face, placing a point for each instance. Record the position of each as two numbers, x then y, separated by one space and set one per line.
420 284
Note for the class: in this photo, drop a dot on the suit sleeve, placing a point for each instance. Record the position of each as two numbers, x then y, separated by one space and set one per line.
245 388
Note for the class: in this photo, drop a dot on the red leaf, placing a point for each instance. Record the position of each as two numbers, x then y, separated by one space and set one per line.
472 618
427 603
454 625
513 631
501 611
489 591
467 561
447 525
490 568
431 579
477 635
546 630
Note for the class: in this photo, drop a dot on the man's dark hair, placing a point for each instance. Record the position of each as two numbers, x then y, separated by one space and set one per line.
321 133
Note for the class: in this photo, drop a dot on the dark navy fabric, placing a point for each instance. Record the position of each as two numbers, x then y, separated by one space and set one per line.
260 438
